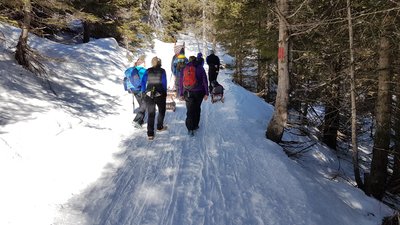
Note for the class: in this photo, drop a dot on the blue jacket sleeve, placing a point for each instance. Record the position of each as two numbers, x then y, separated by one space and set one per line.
144 82
164 80
173 65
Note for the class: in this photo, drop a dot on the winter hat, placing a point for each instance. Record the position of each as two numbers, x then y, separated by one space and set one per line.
199 55
179 49
181 56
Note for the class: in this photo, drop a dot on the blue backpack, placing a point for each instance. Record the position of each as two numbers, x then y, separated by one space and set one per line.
132 82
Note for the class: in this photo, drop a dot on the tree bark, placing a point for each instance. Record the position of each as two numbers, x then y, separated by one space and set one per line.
279 119
22 46
377 179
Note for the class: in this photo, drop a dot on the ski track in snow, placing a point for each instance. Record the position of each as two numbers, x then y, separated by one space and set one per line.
227 174
193 180
206 179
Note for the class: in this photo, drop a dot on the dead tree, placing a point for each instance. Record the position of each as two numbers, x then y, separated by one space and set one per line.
354 143
24 55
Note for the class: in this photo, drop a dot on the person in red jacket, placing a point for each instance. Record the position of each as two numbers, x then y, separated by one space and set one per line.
193 95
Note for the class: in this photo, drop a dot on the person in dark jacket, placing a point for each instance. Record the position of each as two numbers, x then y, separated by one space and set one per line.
195 96
200 59
154 89
213 63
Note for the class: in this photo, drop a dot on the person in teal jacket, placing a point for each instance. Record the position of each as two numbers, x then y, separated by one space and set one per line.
141 110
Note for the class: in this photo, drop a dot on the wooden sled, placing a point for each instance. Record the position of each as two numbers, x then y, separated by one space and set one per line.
171 104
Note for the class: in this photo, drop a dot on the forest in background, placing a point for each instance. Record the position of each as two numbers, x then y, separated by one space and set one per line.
338 56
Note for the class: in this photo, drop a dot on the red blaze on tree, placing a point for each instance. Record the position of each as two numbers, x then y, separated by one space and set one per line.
281 53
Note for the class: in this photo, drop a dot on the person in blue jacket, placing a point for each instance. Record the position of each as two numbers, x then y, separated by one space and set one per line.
154 90
194 96
140 66
179 61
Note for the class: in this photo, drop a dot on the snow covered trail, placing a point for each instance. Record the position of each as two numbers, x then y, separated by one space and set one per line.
223 175
76 159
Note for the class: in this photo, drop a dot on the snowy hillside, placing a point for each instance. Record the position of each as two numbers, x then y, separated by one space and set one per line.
75 158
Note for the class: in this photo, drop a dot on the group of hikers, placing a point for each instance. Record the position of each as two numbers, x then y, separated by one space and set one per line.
149 88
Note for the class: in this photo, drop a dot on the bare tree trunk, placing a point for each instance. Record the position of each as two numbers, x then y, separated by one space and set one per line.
21 54
394 183
260 73
331 118
86 32
279 119
266 77
239 69
377 180
204 34
354 143
155 19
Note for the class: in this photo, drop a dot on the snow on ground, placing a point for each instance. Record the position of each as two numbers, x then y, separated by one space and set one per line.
75 158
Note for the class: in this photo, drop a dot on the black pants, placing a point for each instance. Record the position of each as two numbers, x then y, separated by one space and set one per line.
193 107
139 99
212 76
151 103
141 111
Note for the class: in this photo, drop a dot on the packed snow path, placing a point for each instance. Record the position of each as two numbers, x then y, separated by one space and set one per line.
226 174
76 159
